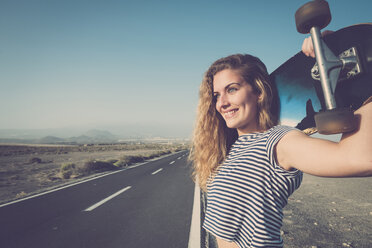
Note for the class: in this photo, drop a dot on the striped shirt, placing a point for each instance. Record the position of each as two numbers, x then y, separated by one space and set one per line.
246 196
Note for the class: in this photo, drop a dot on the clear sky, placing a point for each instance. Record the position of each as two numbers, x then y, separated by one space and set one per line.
96 64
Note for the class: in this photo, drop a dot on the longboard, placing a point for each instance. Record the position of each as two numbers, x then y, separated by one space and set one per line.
300 95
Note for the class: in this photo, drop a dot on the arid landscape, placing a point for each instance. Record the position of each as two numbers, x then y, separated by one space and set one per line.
29 169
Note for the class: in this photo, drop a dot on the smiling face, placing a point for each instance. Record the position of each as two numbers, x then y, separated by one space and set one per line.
236 101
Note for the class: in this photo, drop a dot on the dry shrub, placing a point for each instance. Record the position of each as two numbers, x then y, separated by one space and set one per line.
94 166
35 160
67 170
132 159
21 194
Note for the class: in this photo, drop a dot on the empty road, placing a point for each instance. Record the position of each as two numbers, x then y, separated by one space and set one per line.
145 206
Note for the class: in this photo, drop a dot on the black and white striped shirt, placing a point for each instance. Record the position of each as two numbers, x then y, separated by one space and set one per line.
246 196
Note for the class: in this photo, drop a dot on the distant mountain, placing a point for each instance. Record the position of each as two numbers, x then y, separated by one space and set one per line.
94 136
99 134
39 133
50 140
89 137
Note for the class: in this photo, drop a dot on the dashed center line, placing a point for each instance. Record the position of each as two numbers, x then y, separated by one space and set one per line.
157 171
106 199
172 162
179 157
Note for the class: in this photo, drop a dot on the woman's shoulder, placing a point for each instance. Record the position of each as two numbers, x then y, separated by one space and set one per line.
276 133
279 130
282 128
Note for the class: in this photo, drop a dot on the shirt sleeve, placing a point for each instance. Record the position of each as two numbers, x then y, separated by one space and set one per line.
275 136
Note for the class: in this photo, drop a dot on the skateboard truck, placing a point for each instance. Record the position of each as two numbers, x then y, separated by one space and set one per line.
311 18
350 66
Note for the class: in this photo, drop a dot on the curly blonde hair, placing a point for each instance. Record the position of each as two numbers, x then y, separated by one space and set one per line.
212 139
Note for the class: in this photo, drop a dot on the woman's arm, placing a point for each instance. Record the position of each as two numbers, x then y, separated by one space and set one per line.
225 244
352 156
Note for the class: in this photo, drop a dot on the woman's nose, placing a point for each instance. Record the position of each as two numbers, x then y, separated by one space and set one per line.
223 101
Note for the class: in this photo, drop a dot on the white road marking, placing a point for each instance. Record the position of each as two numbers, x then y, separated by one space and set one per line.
60 188
179 157
157 171
194 236
172 162
107 199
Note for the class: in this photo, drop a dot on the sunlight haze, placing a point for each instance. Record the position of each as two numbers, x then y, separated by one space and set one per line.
112 64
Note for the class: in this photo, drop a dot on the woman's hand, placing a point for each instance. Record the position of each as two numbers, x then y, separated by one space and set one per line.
307 45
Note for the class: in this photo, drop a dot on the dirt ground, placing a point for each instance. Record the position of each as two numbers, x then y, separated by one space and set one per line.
329 213
29 169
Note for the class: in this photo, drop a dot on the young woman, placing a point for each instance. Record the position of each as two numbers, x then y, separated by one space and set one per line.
249 165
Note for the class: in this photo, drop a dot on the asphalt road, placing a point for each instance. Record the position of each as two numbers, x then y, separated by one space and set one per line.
146 206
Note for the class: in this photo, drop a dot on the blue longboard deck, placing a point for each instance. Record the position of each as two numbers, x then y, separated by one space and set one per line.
298 93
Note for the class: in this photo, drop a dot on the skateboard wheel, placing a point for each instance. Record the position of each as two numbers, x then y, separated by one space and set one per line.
335 121
315 13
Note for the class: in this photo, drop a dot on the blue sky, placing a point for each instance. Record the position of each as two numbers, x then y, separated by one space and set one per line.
100 64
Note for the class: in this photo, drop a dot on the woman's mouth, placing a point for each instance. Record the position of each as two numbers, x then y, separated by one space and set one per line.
230 113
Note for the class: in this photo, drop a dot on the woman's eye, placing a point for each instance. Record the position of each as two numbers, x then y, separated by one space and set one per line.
215 97
231 90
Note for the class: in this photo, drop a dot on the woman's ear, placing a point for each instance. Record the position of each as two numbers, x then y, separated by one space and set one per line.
259 97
